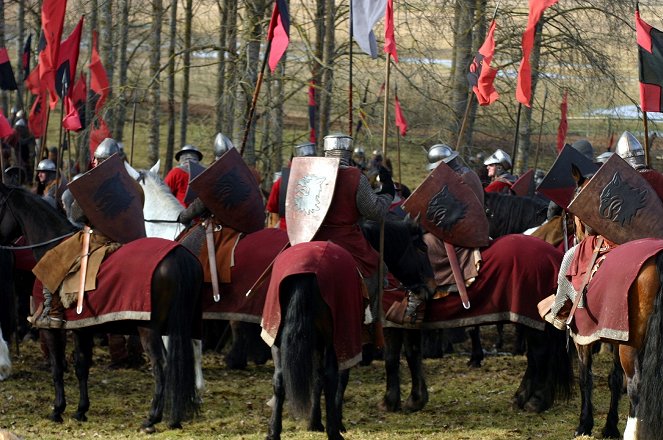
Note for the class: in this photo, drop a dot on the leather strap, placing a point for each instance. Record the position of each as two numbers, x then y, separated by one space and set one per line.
585 280
457 273
264 276
85 253
211 254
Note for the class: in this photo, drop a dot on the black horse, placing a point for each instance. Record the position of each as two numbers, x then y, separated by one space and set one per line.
509 214
548 375
175 290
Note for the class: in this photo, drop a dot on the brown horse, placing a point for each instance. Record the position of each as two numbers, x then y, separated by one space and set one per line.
640 359
174 309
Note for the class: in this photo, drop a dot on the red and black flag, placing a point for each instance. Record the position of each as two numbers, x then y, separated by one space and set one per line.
481 76
38 115
311 111
25 56
650 55
52 20
79 96
32 82
68 59
5 127
98 79
389 39
7 80
279 32
98 133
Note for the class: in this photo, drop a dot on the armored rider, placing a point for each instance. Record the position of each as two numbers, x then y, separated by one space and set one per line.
630 149
178 178
276 201
354 198
498 165
47 185
413 307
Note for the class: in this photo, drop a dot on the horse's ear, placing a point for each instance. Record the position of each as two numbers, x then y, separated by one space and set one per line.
413 222
132 172
155 167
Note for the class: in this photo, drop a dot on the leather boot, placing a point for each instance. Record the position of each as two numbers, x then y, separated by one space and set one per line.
52 313
410 310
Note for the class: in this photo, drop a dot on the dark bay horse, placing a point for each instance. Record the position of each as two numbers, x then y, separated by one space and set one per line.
548 375
175 290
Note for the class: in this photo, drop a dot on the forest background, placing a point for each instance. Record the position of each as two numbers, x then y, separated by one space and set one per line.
187 70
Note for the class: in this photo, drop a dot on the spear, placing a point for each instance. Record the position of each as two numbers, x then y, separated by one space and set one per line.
543 113
254 100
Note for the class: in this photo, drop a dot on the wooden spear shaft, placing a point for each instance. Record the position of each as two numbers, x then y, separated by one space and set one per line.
644 119
254 101
133 134
463 125
538 144
515 138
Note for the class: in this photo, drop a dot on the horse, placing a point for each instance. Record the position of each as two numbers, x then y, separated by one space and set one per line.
548 376
174 294
312 318
6 318
638 357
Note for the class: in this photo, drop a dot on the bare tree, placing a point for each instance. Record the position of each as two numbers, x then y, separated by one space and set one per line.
154 86
327 82
122 74
186 69
232 62
106 51
172 46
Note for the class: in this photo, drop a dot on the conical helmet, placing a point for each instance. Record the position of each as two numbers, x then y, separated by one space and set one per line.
221 145
630 149
106 149
499 157
440 153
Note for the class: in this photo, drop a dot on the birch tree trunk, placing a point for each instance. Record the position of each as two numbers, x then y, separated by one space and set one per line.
463 49
221 67
155 86
172 43
186 69
316 68
122 74
106 42
232 64
327 70
84 141
478 37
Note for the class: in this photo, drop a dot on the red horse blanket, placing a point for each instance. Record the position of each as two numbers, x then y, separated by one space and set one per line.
605 311
124 285
253 254
340 286
517 272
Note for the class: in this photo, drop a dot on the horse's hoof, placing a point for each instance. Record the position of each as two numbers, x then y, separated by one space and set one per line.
175 425
473 363
610 433
148 429
316 427
56 417
414 405
387 406
534 405
81 417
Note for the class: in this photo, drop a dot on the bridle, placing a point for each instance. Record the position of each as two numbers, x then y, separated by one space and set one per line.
141 179
4 205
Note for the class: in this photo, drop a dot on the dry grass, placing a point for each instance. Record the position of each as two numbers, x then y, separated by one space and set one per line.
464 403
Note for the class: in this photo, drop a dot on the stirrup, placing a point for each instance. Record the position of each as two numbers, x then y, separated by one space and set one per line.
48 322
555 321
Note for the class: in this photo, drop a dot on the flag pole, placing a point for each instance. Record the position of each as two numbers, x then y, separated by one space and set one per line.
538 144
644 119
464 123
350 115
515 139
398 144
59 160
133 133
254 101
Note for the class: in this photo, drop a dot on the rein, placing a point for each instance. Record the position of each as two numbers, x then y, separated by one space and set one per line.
36 245
161 221
141 178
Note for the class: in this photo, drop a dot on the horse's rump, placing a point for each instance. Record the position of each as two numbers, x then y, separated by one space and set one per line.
517 271
340 287
253 254
124 285
605 312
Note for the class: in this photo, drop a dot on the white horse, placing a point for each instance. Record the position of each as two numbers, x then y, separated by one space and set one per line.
161 209
5 360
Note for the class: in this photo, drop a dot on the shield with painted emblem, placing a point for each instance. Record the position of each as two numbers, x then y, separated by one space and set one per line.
524 186
558 184
283 190
229 190
193 169
111 200
309 194
448 208
619 204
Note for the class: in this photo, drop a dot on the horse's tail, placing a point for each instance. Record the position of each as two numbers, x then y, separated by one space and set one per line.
298 340
561 368
650 406
180 388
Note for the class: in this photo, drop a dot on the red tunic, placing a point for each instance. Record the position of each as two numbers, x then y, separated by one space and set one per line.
341 223
178 182
655 179
499 186
273 202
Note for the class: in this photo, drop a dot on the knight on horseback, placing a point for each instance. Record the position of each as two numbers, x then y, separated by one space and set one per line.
97 194
413 307
189 167
498 164
630 149
47 185
276 201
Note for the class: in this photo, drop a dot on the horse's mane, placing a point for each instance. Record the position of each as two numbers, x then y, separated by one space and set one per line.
509 214
153 180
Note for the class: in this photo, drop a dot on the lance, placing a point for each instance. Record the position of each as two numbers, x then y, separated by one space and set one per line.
59 161
543 113
350 115
398 146
360 123
254 100
515 138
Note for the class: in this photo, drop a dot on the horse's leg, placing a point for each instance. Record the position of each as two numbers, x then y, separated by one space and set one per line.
55 344
477 349
520 345
155 350
343 379
393 338
629 360
616 383
586 382
258 351
499 342
82 361
198 365
276 421
331 386
315 416
236 357
419 393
